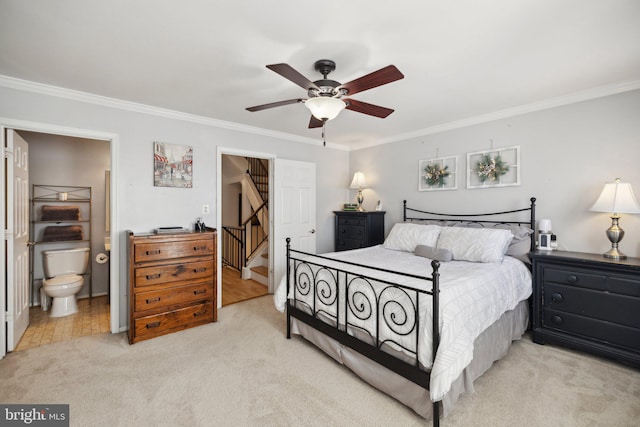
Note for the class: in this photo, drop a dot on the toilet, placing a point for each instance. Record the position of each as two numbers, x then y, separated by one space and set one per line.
63 270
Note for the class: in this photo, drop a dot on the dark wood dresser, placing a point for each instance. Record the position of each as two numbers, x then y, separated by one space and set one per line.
355 230
587 302
172 282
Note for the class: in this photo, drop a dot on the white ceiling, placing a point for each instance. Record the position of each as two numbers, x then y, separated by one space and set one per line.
461 59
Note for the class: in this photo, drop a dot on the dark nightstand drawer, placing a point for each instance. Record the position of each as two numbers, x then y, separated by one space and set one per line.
346 244
620 309
587 302
351 221
592 329
575 277
351 233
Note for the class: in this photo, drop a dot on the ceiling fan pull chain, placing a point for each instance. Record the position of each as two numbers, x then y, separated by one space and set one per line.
324 142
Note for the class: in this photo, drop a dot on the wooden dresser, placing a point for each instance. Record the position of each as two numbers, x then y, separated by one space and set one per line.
172 282
354 230
587 302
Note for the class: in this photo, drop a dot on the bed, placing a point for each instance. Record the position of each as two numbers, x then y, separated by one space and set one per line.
421 316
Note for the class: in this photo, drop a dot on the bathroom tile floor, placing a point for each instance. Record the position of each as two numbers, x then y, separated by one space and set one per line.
91 319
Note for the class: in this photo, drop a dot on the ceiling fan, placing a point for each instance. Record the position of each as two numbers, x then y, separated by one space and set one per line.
327 98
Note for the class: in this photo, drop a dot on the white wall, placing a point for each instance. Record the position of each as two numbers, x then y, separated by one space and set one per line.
143 207
63 160
567 154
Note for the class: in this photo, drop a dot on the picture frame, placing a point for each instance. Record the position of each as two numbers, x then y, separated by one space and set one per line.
172 165
437 174
499 167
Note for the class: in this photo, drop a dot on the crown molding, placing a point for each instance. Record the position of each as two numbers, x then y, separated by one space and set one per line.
90 98
572 98
55 91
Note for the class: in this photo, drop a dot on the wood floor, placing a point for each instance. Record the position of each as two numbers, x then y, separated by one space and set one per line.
91 319
234 289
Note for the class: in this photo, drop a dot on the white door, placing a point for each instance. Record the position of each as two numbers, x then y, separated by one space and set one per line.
294 201
17 186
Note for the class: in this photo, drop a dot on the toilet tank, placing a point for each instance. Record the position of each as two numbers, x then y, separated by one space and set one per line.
65 261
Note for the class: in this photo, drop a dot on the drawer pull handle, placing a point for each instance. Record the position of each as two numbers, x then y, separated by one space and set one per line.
152 325
557 297
557 319
156 252
200 248
200 313
200 270
150 300
199 291
153 276
572 278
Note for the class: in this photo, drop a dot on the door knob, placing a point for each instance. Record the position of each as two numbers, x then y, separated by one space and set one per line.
313 230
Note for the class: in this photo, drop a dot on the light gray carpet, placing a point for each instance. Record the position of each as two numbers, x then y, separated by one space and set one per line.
242 371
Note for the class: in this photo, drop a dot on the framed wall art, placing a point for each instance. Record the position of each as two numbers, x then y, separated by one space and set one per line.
498 167
438 174
172 165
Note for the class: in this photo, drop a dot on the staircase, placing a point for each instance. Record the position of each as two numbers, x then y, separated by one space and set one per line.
260 272
245 248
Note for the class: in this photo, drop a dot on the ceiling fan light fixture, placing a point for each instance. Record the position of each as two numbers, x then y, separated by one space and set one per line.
325 107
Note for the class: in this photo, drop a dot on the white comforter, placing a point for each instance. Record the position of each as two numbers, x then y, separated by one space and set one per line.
472 297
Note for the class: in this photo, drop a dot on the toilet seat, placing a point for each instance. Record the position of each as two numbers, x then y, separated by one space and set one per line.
65 279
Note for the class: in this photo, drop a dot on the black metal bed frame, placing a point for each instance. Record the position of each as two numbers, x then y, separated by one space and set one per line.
325 282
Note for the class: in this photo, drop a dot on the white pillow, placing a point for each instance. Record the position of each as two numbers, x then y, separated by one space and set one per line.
475 244
405 236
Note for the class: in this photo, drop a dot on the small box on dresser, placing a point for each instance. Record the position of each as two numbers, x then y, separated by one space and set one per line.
354 229
172 282
587 302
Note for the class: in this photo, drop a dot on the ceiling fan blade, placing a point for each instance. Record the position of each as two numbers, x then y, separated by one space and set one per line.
381 77
288 72
366 108
274 104
315 122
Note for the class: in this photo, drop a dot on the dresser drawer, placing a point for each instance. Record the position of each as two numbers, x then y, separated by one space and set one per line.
148 276
575 277
346 244
620 309
349 221
357 233
168 250
154 300
172 321
598 330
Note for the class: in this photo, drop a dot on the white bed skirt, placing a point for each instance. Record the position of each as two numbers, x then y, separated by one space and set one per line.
490 346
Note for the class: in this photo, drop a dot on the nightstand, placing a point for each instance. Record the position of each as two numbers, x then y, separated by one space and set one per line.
587 302
355 229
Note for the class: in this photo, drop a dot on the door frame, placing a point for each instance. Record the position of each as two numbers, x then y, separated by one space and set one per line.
228 151
114 144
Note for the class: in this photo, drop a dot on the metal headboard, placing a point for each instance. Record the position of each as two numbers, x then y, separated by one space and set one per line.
476 218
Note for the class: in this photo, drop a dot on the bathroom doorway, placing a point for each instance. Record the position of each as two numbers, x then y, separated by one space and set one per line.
72 158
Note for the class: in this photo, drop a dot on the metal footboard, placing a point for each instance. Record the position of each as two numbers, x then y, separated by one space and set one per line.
329 296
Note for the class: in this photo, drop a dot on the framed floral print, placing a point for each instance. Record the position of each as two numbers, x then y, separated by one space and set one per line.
438 174
494 168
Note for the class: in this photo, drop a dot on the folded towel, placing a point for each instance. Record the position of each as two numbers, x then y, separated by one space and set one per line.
60 213
60 233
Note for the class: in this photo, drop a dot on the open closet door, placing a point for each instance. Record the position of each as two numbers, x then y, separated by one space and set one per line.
294 201
17 237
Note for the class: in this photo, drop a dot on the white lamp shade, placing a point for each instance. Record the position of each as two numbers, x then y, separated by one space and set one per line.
359 180
616 197
325 107
544 225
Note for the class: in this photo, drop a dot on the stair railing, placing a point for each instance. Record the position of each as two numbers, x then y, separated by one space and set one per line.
260 176
255 230
233 247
